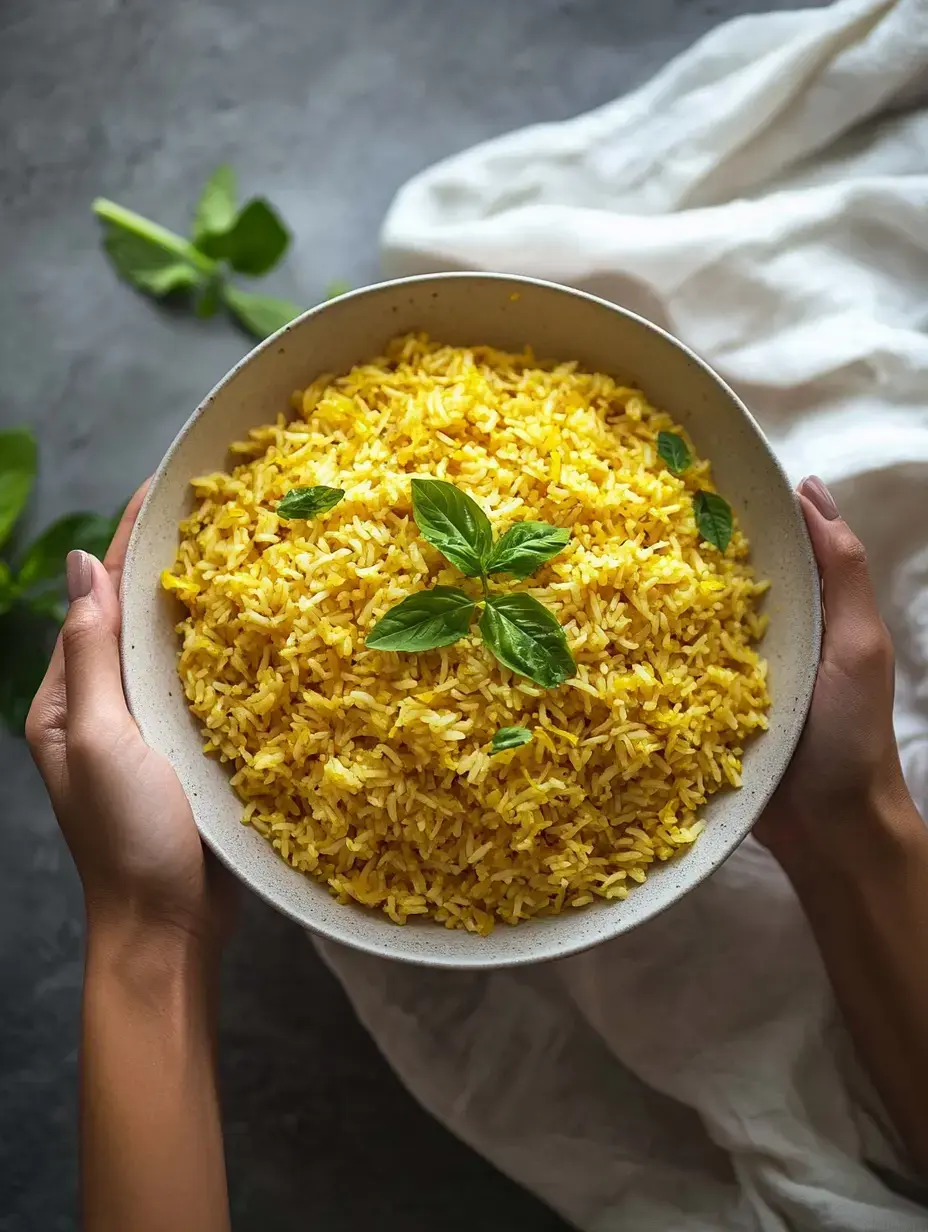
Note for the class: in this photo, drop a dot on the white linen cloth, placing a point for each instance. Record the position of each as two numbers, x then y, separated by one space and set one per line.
765 198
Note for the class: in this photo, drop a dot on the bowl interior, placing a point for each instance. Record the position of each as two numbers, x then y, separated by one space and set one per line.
506 312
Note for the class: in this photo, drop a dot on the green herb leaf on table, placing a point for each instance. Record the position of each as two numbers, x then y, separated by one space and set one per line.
454 523
45 557
209 298
525 547
215 212
525 637
254 243
713 518
149 256
509 738
261 315
674 451
309 502
424 621
18 465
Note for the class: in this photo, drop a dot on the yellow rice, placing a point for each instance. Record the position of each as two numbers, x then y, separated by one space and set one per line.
370 770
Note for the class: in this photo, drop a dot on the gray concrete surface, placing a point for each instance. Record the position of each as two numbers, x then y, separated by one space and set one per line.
326 109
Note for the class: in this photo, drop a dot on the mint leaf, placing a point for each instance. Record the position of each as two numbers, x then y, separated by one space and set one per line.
509 738
713 518
254 243
674 451
424 621
45 557
525 547
454 523
527 638
18 464
261 315
309 502
215 212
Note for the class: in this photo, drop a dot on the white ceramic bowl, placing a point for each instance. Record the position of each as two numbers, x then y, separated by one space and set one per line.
505 312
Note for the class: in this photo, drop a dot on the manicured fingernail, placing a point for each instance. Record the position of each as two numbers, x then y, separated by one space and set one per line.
815 491
80 575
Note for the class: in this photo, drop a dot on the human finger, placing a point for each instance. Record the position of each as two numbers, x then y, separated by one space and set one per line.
854 628
115 557
90 640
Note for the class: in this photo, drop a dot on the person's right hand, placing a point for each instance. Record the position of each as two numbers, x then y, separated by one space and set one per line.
846 765
120 805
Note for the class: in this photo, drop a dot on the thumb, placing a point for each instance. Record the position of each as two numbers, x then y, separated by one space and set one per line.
853 626
90 641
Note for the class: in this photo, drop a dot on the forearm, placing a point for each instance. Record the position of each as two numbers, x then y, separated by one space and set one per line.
151 1139
868 907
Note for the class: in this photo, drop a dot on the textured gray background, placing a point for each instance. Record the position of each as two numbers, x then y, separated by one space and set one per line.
326 109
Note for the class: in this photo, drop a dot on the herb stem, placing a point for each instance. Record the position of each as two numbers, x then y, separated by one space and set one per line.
144 228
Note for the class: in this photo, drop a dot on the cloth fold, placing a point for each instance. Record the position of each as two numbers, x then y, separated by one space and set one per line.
764 197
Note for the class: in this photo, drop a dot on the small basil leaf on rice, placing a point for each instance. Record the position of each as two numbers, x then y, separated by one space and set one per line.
713 518
525 547
309 502
525 637
509 738
674 451
454 523
424 621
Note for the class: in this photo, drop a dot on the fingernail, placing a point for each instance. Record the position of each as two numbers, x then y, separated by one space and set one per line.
815 491
80 575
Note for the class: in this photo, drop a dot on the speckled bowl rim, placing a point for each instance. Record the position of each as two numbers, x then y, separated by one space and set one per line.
555 950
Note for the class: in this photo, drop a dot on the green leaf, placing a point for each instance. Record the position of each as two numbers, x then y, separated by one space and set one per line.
309 502
454 523
674 451
45 557
713 518
527 638
147 266
261 315
215 212
7 588
18 465
209 299
525 547
254 243
509 738
337 288
26 644
424 621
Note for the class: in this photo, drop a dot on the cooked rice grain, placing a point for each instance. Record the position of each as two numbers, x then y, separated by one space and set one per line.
371 771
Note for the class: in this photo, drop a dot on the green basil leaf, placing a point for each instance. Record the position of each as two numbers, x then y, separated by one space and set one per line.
309 502
713 518
18 465
525 547
209 298
527 638
254 243
509 738
454 523
45 557
674 451
261 315
153 269
424 621
215 212
26 645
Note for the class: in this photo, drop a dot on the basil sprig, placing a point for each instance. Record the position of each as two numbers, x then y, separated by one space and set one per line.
309 502
674 451
522 634
509 738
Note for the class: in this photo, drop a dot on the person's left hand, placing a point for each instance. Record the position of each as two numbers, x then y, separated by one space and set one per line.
120 805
